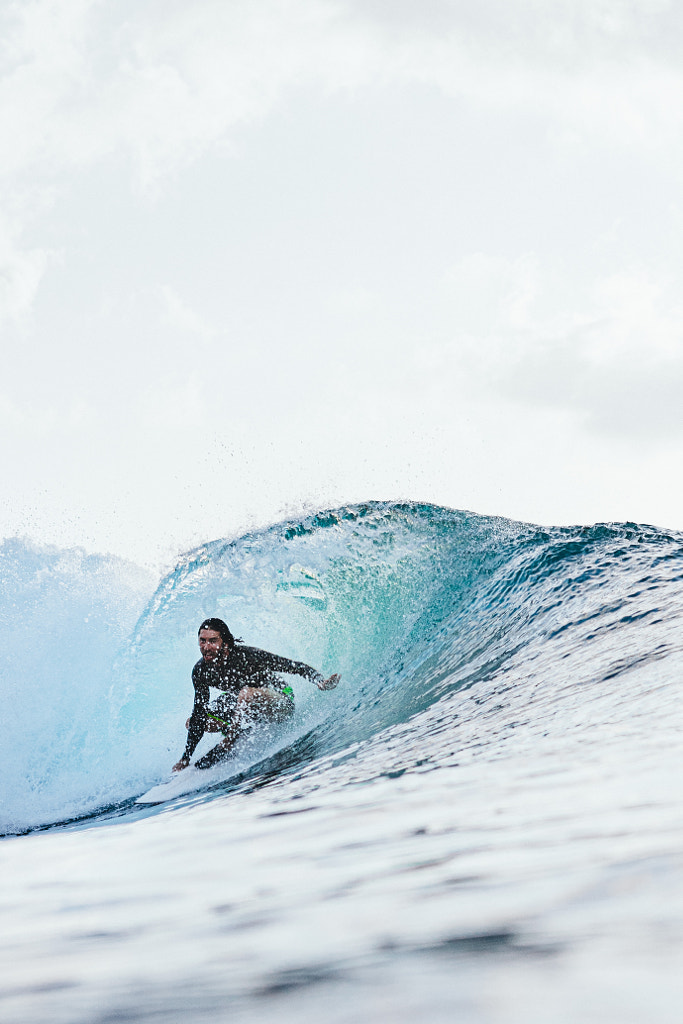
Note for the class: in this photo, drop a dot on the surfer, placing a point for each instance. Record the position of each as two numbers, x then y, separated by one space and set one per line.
251 690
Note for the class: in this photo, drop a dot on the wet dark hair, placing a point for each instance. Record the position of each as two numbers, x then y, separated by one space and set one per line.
218 626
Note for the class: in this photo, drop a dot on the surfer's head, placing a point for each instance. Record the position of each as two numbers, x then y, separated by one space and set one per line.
214 638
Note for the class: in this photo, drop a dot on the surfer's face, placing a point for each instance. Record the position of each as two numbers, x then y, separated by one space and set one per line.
210 644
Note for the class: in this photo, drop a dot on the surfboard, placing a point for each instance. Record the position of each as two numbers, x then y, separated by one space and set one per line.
250 748
181 783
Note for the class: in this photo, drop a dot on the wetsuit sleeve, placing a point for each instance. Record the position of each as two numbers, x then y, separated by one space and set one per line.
197 723
274 663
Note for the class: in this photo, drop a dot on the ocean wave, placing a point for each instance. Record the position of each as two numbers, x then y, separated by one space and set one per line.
450 630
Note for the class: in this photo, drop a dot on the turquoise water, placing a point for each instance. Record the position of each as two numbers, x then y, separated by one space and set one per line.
482 823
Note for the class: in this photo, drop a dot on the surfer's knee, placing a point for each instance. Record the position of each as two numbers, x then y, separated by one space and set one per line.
247 694
251 705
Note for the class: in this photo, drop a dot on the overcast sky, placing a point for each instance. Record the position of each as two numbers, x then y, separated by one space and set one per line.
259 255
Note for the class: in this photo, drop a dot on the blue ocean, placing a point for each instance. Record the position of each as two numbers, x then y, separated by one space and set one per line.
483 823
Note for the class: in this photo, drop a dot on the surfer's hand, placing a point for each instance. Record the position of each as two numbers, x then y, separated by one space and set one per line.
182 763
328 684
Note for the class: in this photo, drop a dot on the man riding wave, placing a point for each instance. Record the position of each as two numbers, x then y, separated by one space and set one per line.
250 688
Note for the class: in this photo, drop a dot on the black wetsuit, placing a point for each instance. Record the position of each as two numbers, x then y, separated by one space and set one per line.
244 666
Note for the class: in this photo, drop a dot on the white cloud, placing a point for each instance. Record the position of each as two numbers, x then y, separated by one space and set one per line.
490 292
32 420
44 72
161 82
615 361
164 81
170 405
21 271
251 202
181 317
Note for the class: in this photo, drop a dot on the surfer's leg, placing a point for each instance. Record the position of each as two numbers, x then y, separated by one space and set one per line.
262 704
254 704
231 732
211 725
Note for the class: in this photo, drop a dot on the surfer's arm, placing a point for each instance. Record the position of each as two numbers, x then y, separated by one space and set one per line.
195 730
274 663
328 684
196 723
